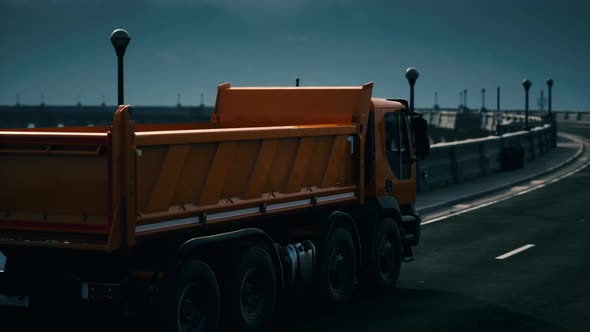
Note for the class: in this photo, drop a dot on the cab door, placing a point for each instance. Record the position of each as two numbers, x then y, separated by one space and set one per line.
394 161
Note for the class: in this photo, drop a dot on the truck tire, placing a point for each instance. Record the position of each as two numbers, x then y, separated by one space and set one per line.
386 256
251 290
337 267
189 299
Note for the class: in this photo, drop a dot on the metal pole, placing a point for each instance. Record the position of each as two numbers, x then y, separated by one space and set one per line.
465 97
120 98
527 85
497 118
120 40
412 98
412 76
498 99
483 99
436 100
461 100
549 86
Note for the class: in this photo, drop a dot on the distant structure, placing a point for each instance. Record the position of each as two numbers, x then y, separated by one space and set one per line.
178 104
436 107
46 116
541 102
465 100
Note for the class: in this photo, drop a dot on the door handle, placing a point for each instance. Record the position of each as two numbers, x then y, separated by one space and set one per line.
388 185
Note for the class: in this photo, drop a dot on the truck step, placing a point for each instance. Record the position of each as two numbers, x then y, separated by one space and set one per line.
409 218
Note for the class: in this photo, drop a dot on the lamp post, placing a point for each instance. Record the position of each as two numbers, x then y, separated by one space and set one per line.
549 86
483 100
120 39
412 75
498 99
465 97
497 116
527 85
436 101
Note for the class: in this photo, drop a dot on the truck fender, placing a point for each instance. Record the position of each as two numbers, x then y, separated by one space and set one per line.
389 208
340 219
189 246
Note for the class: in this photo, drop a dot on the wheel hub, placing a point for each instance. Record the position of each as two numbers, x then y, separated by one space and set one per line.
337 271
192 317
252 297
385 256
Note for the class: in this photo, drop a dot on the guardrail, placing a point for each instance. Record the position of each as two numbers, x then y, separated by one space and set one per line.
572 116
457 162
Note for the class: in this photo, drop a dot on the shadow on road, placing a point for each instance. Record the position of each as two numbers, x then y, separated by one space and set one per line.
408 310
404 310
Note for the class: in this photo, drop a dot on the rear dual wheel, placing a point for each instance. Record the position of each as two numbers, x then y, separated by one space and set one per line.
189 299
250 290
337 266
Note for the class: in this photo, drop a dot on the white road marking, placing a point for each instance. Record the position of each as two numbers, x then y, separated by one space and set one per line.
515 251
2 261
456 213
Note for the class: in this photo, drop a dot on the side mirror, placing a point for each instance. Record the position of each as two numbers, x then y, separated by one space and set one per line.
421 141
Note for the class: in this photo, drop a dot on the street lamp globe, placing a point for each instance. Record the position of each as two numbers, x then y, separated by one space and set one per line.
120 39
412 75
527 84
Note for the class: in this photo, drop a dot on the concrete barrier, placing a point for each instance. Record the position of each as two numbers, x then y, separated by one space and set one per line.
456 162
568 116
437 170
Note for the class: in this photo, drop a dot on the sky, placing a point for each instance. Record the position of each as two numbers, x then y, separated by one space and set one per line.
59 50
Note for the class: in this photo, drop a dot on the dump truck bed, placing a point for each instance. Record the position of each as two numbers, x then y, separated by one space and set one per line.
104 188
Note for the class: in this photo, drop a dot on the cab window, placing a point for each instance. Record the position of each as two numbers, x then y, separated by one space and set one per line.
397 145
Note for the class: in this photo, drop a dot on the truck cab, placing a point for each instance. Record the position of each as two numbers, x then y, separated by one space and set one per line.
394 157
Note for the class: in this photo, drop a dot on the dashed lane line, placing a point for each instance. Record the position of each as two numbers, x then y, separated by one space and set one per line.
515 251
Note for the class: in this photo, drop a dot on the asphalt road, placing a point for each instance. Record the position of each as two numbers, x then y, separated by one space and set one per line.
456 283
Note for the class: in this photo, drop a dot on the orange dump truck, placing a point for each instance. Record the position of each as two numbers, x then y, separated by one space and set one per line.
285 188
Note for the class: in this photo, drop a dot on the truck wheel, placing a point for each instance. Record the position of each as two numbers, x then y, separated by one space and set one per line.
337 266
387 256
251 290
190 299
